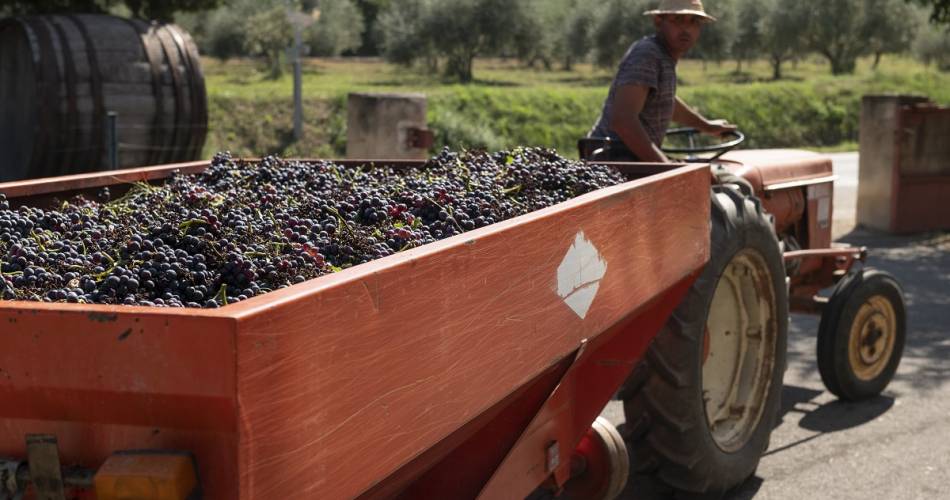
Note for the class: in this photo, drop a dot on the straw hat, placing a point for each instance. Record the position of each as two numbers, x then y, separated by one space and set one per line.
688 7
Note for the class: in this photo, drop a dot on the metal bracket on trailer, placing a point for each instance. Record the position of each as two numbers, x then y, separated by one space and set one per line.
43 470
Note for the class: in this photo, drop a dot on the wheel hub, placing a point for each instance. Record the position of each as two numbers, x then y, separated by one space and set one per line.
872 336
740 358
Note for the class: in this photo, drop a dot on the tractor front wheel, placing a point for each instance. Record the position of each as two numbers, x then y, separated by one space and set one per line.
861 335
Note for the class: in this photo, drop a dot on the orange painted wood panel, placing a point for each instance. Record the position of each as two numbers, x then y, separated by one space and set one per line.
344 379
104 378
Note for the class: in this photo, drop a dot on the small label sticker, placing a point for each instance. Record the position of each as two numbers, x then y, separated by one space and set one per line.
822 194
824 212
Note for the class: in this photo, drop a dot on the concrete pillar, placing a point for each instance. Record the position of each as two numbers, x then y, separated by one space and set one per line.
387 126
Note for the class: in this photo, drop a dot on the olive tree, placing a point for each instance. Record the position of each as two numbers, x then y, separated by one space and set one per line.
941 10
576 43
834 31
889 27
933 47
456 31
268 35
781 29
339 28
716 41
400 32
843 30
618 24
748 42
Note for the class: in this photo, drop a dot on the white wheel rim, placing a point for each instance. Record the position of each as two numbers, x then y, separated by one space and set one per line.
739 356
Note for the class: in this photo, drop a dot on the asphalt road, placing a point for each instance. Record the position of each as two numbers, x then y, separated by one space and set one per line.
896 446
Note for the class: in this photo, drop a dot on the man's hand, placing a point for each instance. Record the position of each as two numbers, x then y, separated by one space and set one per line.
717 127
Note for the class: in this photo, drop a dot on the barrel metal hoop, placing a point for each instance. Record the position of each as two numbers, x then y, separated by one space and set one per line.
197 120
177 85
71 130
157 155
99 110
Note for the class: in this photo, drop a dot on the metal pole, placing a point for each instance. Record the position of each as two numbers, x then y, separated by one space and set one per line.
298 87
298 76
112 139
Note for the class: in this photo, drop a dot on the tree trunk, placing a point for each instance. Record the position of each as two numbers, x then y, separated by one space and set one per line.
877 60
841 66
460 66
468 75
776 68
568 64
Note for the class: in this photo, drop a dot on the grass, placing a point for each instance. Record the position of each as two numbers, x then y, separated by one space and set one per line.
511 105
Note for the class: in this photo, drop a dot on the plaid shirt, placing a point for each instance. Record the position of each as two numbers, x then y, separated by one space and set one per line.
646 63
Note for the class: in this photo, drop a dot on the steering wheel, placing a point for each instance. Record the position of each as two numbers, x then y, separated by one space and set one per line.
693 150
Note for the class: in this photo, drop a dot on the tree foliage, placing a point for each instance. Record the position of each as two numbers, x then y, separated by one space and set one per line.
933 47
339 29
833 29
401 29
781 29
888 27
748 42
717 39
620 23
941 10
162 10
454 31
370 11
268 34
576 44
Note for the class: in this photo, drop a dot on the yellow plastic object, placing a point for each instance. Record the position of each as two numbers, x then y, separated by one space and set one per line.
146 476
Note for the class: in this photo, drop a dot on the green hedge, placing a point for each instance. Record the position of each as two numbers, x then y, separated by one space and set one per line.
822 112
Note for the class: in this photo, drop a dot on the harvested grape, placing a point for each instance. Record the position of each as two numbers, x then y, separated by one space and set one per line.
240 229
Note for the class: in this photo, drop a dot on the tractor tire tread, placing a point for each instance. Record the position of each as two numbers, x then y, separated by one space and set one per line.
662 438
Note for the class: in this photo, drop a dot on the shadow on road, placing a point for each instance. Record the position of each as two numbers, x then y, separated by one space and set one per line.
822 419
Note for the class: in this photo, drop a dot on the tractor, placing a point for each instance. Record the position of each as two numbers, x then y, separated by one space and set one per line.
701 407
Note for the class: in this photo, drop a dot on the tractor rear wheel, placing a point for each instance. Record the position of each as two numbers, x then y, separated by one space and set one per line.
702 405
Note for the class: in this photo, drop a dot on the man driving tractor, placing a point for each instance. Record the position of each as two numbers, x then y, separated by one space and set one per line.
642 99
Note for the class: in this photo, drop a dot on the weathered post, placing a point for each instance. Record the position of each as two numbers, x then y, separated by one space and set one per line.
904 175
387 126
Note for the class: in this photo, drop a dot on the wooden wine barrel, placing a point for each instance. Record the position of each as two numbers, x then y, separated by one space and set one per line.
60 75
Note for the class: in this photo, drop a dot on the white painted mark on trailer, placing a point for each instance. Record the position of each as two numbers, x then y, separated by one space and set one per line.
579 275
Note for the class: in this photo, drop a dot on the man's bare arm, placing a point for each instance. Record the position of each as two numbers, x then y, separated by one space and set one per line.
685 115
625 121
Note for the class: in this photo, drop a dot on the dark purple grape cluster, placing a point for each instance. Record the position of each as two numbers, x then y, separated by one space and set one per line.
241 229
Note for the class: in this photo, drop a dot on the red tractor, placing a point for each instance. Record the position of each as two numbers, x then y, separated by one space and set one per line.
701 407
